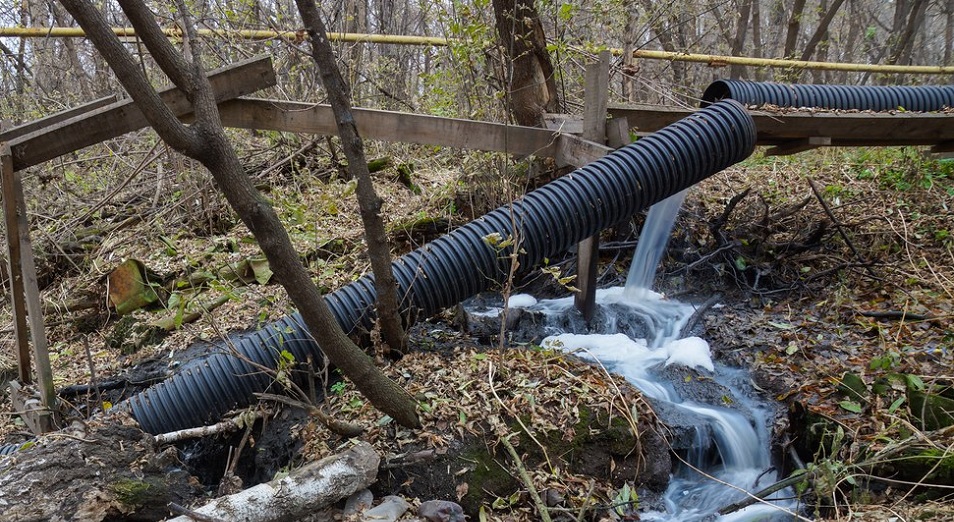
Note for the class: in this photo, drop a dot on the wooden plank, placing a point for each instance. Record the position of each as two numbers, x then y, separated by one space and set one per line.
15 213
596 97
846 129
13 263
565 123
119 118
799 145
35 125
307 118
575 151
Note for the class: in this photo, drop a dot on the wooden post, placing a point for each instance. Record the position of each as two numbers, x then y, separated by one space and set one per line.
25 291
594 129
13 264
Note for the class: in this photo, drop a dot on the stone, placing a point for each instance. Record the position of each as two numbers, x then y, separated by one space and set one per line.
441 511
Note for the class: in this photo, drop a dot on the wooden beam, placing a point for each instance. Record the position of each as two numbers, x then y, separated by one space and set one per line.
35 125
575 151
119 118
846 129
596 97
18 232
799 145
308 118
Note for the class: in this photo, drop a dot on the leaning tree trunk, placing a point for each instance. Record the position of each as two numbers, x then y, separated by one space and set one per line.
206 141
531 82
379 249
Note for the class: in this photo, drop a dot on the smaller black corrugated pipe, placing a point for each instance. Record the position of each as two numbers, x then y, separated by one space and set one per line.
463 263
925 98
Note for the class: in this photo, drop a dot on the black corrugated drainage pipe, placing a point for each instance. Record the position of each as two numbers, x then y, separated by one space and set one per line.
461 264
924 98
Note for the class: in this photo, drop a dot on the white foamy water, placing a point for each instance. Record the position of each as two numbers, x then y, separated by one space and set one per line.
732 445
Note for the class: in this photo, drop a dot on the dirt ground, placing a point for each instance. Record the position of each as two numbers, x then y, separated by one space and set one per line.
835 267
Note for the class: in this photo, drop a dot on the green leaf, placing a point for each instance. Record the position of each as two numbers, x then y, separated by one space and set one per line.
914 382
896 404
851 406
853 386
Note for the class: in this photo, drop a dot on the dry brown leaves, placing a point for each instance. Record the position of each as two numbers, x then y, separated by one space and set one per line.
472 393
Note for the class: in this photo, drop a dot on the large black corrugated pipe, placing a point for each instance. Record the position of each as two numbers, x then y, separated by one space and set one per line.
843 97
544 223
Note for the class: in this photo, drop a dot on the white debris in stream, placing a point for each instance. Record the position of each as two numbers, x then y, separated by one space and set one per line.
521 301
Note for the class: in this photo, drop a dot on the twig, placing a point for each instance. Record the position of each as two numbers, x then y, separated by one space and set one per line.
729 207
343 428
900 315
288 159
840 229
586 501
760 496
139 168
525 478
92 371
698 313
186 512
232 424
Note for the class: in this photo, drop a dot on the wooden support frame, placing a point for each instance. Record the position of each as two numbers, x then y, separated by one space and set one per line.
43 123
44 139
596 97
115 119
844 129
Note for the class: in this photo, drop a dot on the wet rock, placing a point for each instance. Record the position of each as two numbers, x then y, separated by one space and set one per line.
358 502
390 509
441 511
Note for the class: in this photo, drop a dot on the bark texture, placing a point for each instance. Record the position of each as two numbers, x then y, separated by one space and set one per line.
531 80
379 249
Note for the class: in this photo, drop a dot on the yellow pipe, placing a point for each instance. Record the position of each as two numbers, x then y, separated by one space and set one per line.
712 60
246 34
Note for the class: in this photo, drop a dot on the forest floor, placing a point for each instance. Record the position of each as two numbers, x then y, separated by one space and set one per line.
836 269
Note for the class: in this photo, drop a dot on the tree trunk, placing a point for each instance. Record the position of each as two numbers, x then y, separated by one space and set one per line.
629 62
379 249
530 75
738 42
757 38
821 32
794 27
948 31
206 141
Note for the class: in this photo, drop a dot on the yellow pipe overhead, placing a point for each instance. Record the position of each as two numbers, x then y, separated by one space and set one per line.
712 60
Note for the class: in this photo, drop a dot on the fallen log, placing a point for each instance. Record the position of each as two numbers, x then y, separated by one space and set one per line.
303 491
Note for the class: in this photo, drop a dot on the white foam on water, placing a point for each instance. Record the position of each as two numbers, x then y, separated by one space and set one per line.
521 301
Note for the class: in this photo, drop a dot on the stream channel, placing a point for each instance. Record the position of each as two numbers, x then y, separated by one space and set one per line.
725 452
